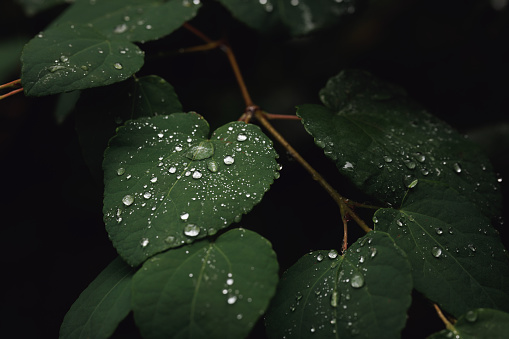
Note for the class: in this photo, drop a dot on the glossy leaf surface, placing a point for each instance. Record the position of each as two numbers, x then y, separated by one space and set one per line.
478 323
210 289
133 20
298 16
72 57
101 110
364 293
102 305
457 258
385 143
167 184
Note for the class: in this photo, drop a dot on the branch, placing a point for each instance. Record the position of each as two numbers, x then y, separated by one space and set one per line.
11 93
447 323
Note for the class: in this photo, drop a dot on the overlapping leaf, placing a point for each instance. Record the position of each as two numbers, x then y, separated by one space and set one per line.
167 184
364 293
478 323
210 289
385 143
69 57
457 257
101 110
102 305
133 20
299 16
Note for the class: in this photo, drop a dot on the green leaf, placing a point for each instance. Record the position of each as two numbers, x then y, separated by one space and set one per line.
71 57
33 7
210 289
457 258
385 143
364 293
102 305
167 184
101 110
478 323
298 16
134 20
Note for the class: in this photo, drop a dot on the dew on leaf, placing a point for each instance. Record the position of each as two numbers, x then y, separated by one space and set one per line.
436 251
211 231
172 170
55 68
197 175
191 230
229 281
419 157
144 242
471 247
319 257
387 159
400 223
147 195
232 299
334 299
298 296
357 280
409 164
456 167
128 200
202 151
241 137
228 160
439 231
169 239
333 254
471 316
184 216
153 180
120 28
118 65
120 171
373 251
213 166
64 58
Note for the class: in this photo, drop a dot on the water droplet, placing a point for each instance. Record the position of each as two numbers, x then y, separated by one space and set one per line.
439 231
419 157
313 329
55 68
169 239
85 68
118 65
456 167
334 299
120 171
357 280
471 316
120 28
319 257
148 27
228 160
400 223
191 230
436 251
153 180
178 148
147 195
144 242
409 164
373 251
387 159
410 181
202 151
64 58
232 299
239 316
184 216
298 296
172 170
128 200
197 175
241 137
333 254
375 220
471 247
229 281
213 166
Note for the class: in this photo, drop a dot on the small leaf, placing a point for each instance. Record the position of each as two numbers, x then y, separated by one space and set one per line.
210 289
166 184
364 293
102 305
299 16
385 143
478 323
457 257
71 57
133 20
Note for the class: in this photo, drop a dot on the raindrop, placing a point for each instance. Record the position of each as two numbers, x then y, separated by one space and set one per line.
128 200
241 137
373 252
64 58
202 151
120 171
147 195
400 223
148 27
118 65
228 160
298 296
169 240
229 281
409 164
144 242
85 68
333 254
357 280
153 180
410 181
197 175
120 28
184 216
232 299
55 68
239 316
313 329
213 166
419 157
387 159
471 316
319 257
436 251
439 231
172 170
456 167
191 230
472 247
334 299
178 148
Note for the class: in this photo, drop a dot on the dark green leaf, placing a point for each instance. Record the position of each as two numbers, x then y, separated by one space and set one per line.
101 110
32 7
102 305
134 20
210 289
385 143
166 184
364 293
71 57
479 323
457 257
299 16
65 105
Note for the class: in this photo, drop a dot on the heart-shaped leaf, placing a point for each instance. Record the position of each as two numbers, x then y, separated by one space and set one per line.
210 289
457 257
364 293
102 305
69 57
385 143
167 184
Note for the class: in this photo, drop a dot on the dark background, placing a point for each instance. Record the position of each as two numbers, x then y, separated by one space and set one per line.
452 56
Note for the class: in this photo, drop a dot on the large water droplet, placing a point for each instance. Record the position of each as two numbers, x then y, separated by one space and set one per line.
357 280
55 68
439 231
121 171
319 257
387 159
202 151
333 254
184 216
197 175
144 242
471 316
334 299
191 230
213 166
172 170
147 195
118 65
456 167
419 157
128 199
228 160
436 251
241 137
232 299
64 58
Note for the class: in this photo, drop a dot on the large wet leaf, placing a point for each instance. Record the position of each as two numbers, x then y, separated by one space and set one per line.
364 293
298 16
101 110
385 143
167 184
210 289
134 20
457 258
478 323
102 305
71 57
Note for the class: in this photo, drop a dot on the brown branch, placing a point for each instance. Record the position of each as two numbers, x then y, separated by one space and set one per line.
442 317
11 93
281 117
200 48
15 83
197 32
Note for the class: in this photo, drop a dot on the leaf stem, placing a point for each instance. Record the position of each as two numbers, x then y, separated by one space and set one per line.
15 83
11 93
342 202
442 317
271 116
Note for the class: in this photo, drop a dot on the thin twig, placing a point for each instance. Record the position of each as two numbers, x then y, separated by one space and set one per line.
197 32
15 83
271 116
442 317
11 93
